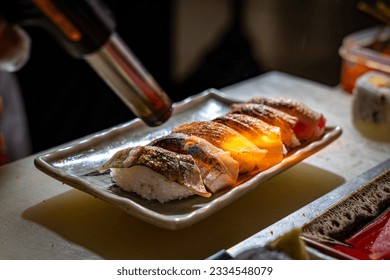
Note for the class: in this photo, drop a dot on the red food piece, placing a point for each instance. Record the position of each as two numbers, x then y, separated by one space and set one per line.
362 243
307 130
381 246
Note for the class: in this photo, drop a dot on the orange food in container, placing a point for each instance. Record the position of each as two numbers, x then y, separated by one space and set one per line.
364 51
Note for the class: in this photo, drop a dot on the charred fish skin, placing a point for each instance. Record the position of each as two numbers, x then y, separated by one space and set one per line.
185 144
214 163
288 105
173 166
266 113
271 116
248 125
311 124
215 134
116 161
262 134
244 151
174 142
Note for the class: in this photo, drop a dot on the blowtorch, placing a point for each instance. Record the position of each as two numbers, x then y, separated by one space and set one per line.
86 30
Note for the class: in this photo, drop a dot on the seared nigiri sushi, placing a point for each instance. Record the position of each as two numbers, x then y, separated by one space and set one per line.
217 167
244 151
262 134
156 173
271 116
310 125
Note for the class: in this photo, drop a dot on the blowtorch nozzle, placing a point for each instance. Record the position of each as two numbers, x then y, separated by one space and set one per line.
116 64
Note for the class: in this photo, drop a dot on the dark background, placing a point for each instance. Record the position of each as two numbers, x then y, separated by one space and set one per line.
66 100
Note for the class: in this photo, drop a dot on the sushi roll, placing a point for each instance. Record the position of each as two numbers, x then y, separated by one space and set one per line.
217 167
247 154
156 174
371 106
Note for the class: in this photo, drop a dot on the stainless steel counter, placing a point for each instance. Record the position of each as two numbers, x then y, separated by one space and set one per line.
41 218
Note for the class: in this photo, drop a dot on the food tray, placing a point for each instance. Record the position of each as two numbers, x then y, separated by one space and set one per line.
75 164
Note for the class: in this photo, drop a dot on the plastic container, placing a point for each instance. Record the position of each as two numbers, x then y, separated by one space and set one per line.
364 51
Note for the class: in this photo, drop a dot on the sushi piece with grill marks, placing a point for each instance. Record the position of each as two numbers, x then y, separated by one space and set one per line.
156 173
247 154
273 117
262 134
310 125
217 167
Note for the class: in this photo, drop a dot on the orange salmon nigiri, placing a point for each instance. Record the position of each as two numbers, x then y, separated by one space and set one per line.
262 134
248 155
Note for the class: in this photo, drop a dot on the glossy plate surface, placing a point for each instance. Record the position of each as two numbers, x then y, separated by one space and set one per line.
75 164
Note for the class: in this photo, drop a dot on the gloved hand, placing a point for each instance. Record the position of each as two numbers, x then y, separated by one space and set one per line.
14 47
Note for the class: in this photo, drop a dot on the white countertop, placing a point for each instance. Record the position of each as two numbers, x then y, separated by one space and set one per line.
42 218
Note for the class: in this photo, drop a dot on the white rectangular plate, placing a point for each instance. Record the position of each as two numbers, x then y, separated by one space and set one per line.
75 164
